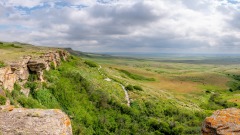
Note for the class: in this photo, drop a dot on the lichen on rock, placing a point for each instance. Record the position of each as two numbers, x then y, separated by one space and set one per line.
222 122
33 121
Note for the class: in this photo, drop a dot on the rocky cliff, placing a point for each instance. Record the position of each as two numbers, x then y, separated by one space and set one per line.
31 121
19 121
222 122
19 71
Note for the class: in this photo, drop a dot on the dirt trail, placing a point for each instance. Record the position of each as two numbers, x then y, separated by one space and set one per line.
124 89
126 94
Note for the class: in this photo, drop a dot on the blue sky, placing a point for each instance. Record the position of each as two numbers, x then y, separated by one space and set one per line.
183 26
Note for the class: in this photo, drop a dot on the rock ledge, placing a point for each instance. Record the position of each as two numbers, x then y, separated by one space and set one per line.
16 121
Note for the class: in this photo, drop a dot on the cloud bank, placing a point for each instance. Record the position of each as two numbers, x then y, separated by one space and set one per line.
184 26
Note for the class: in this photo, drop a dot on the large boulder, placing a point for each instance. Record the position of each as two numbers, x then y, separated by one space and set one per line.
222 122
16 121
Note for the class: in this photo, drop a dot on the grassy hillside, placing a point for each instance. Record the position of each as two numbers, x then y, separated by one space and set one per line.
166 97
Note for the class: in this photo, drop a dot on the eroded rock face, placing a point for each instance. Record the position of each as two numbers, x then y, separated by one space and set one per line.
19 71
20 68
7 78
37 66
15 121
222 122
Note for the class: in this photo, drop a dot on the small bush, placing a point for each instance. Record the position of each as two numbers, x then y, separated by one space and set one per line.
15 93
129 87
91 64
2 64
52 65
46 98
17 87
28 102
31 85
208 91
32 77
137 88
2 100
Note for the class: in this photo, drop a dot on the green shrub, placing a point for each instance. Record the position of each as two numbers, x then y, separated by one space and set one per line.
46 98
32 85
137 88
17 87
91 63
208 91
15 93
29 102
129 87
52 65
32 77
2 100
2 64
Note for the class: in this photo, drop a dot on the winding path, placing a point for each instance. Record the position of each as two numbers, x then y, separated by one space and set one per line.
124 89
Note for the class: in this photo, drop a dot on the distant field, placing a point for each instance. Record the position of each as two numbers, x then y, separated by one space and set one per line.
181 77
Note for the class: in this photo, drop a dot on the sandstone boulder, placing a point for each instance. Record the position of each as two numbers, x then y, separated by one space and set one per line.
16 121
222 122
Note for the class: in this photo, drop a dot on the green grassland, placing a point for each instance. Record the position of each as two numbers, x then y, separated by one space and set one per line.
195 85
13 51
167 97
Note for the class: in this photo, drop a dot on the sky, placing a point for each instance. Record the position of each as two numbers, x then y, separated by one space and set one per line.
159 26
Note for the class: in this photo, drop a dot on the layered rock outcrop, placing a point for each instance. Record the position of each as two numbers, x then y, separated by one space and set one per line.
14 121
19 71
222 122
18 121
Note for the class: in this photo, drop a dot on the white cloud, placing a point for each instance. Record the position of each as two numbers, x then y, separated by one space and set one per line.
186 25
23 3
